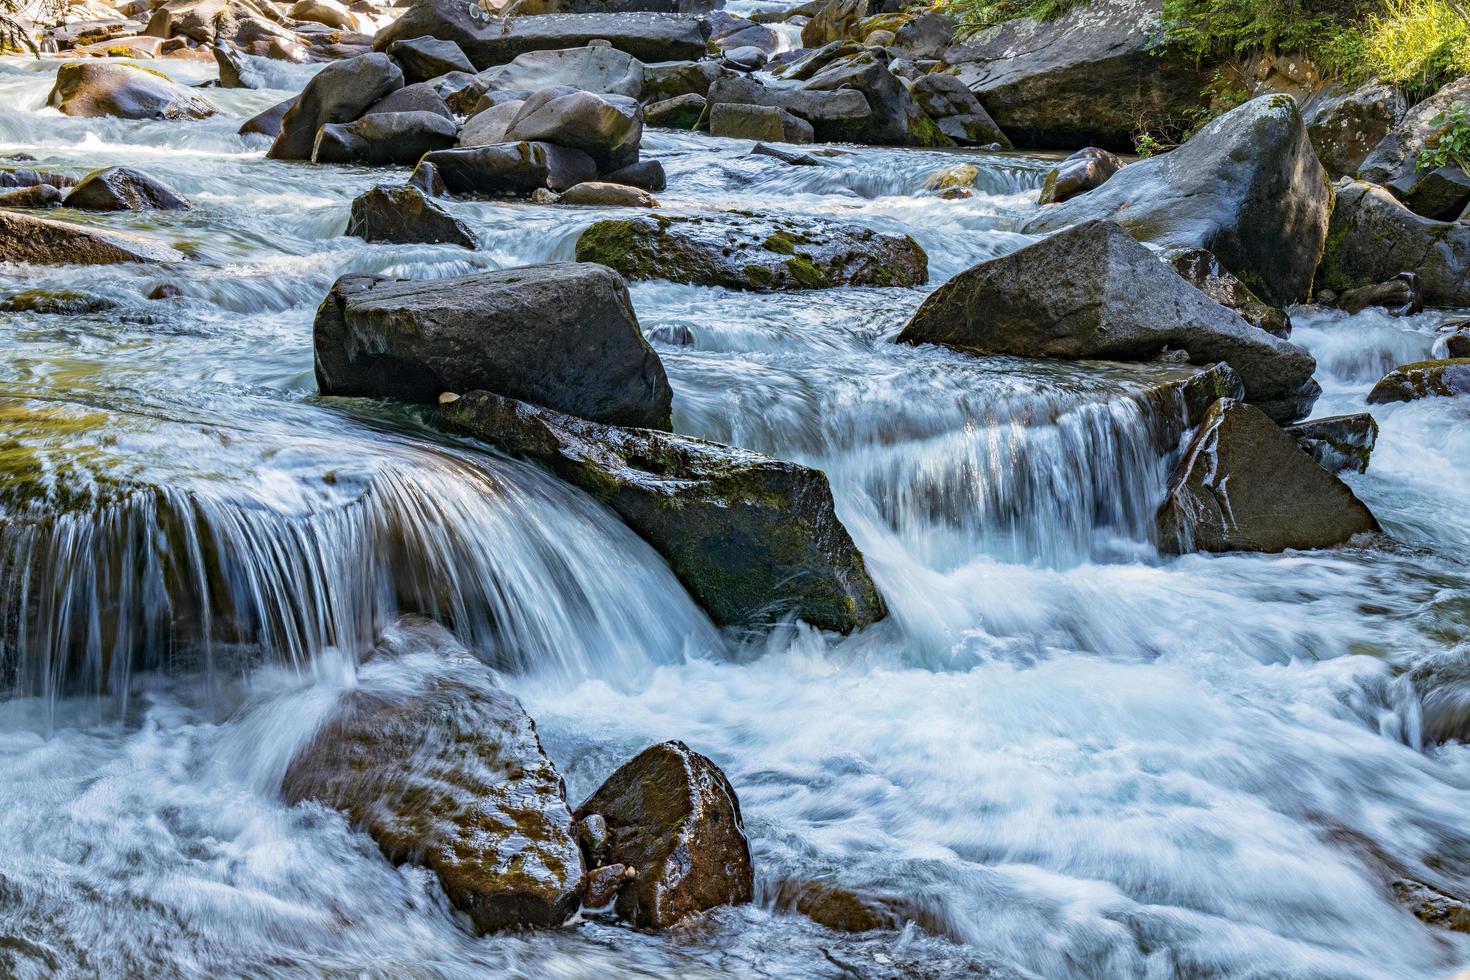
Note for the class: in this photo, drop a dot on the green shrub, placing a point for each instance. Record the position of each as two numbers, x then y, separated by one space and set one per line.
1450 143
1418 44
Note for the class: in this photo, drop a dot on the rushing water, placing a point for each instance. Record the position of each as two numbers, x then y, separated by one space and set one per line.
1081 759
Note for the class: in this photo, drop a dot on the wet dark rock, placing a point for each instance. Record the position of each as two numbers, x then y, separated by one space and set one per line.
1432 906
510 168
1441 193
339 93
1085 170
447 771
1457 344
758 122
596 68
789 157
598 193
750 252
604 884
427 180
104 89
426 58
1373 237
1338 442
894 117
834 115
268 122
55 302
1247 187
563 335
235 68
925 37
752 538
405 215
680 112
592 837
645 174
123 189
674 817
808 63
1246 485
418 97
748 58
675 335
24 238
1344 124
384 139
460 91
1203 271
670 79
956 111
1423 379
164 290
646 36
1092 292
35 196
34 178
1394 161
848 910
608 128
1086 77
1401 296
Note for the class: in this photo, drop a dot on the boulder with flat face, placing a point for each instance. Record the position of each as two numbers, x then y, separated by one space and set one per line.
1087 169
956 111
833 114
384 139
752 538
405 215
268 121
510 168
591 68
1203 271
1423 379
1394 161
123 189
1373 238
608 128
1245 485
894 117
339 93
1092 292
418 97
24 238
1247 188
1345 124
426 58
127 91
1338 442
757 122
562 335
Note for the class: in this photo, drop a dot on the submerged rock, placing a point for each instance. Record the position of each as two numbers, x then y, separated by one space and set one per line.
847 910
339 93
128 91
674 817
1338 442
752 538
405 215
444 768
1373 237
1247 188
123 189
562 335
1092 292
24 238
1245 485
1085 170
1432 906
1423 379
742 251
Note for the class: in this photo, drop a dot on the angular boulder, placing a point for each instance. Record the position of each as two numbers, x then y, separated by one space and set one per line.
752 538
1087 169
1373 238
749 252
608 128
1441 193
41 241
405 215
1345 124
680 112
92 89
510 168
123 189
1247 187
1400 296
443 768
669 79
1203 271
1086 77
268 122
1245 485
418 97
563 335
35 196
426 58
339 93
384 139
956 111
757 122
1338 442
593 68
1394 161
1423 379
674 818
1092 292
894 117
646 174
834 20
488 126
834 115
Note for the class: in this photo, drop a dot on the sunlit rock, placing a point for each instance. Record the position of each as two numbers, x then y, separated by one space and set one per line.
1423 379
129 91
384 139
509 168
123 189
593 68
340 92
1085 170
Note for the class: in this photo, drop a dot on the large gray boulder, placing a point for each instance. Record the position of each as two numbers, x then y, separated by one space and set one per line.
1092 292
339 93
488 126
756 122
268 121
956 111
593 68
1373 238
510 168
405 215
1345 124
562 335
1247 188
1087 77
418 97
384 139
426 58
894 118
123 189
608 128
834 115
1245 485
491 41
671 79
442 767
24 238
1394 161
91 89
749 252
752 538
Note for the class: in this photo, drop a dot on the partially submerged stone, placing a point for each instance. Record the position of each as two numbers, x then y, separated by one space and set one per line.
758 122
1338 442
1432 906
127 91
674 817
597 193
339 93
123 189
742 251
1423 379
850 910
510 168
1400 296
608 128
444 768
405 215
1245 485
1085 170
24 238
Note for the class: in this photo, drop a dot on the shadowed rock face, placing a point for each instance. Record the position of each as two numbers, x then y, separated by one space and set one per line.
1373 238
1338 442
341 92
127 91
1424 379
449 773
1245 485
674 817
45 242
405 214
751 537
123 189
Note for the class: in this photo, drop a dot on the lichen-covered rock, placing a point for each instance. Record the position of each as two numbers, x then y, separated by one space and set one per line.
1085 170
742 251
1338 442
752 538
1394 161
834 20
1345 124
562 334
426 58
1373 238
128 91
510 168
55 302
1093 292
1247 187
443 768
24 238
339 93
405 215
1423 379
1440 193
956 111
674 817
1245 485
384 139
670 79
1203 271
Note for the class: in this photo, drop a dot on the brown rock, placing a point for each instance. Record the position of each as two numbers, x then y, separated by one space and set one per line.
45 242
604 883
1423 379
1400 295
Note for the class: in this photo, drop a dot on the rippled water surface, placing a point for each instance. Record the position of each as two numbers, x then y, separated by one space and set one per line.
1079 758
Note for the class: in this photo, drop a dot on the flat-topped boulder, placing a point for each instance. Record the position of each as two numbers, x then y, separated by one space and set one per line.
562 335
425 58
1423 379
492 41
510 168
1247 188
442 767
340 93
746 251
1373 237
1245 485
591 68
25 238
1092 292
92 89
752 538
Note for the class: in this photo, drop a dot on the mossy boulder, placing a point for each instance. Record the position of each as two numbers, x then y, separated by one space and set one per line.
442 767
752 538
1424 379
674 818
852 910
746 251
128 91
56 302
1373 237
25 238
